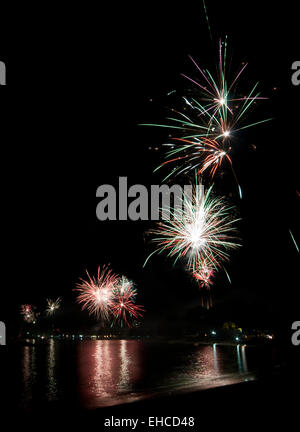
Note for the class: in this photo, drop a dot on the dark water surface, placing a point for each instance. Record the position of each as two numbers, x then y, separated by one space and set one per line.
97 373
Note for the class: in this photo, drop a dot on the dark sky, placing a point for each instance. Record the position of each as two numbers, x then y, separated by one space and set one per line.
79 82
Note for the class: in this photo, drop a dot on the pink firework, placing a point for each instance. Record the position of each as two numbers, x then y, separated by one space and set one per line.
123 308
97 293
204 274
27 311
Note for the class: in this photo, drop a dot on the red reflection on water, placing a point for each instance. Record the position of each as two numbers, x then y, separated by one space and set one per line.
107 370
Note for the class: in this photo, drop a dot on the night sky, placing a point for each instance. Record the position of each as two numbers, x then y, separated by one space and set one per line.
76 92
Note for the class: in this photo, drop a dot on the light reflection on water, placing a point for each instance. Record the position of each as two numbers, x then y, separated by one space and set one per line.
241 358
106 372
52 385
29 372
107 369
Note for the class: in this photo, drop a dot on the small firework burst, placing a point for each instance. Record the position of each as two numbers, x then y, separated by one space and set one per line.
53 305
126 286
96 294
124 308
203 274
28 313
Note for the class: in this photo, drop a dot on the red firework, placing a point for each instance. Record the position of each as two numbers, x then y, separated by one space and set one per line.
204 274
123 308
97 293
27 311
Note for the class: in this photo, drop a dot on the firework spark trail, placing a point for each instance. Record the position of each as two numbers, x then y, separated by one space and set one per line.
294 241
53 305
203 231
290 231
197 155
96 293
206 17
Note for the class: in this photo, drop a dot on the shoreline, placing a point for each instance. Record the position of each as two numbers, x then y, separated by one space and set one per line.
257 402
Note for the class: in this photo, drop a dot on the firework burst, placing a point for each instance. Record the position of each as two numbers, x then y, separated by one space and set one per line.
53 305
96 294
109 296
203 274
202 232
215 110
126 286
28 313
211 118
218 98
124 308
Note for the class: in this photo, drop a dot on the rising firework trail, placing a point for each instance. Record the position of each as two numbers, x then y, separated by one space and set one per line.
207 20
